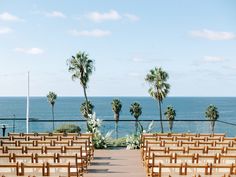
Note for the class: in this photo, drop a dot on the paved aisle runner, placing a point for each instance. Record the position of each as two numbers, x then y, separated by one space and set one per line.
116 163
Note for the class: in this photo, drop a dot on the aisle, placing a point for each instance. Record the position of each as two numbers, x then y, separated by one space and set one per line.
116 163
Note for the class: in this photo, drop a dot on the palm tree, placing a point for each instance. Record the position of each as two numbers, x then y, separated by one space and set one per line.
81 68
170 116
159 89
136 111
83 109
52 100
116 108
212 114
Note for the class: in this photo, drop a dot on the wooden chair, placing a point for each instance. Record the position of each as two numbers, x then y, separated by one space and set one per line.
227 158
16 150
206 158
5 158
44 143
214 150
8 143
230 150
9 169
218 170
170 143
157 159
169 169
35 138
180 150
62 169
19 138
14 134
44 158
34 149
201 138
188 143
53 149
61 143
182 138
183 158
205 143
193 150
23 158
51 138
78 150
151 151
75 159
196 169
86 148
32 169
26 143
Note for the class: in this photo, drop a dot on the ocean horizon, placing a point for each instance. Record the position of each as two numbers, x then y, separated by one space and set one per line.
67 108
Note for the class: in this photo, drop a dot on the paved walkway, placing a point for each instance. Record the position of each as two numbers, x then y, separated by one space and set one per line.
116 163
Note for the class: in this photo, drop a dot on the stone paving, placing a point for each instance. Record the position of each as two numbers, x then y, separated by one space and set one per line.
116 163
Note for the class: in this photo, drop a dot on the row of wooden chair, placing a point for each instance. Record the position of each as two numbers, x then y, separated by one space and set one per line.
189 158
46 152
189 170
188 143
46 142
41 169
188 148
47 137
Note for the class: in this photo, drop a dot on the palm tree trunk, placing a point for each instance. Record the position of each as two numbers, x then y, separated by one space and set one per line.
116 117
212 126
86 99
136 126
159 104
116 128
53 118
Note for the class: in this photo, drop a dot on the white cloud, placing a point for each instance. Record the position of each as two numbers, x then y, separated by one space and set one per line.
32 51
213 59
92 33
213 35
131 17
5 16
112 15
5 30
56 14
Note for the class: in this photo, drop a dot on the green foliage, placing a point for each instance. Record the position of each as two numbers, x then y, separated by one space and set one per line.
212 114
135 110
81 67
83 109
116 108
159 88
133 142
100 141
68 128
119 142
170 116
52 98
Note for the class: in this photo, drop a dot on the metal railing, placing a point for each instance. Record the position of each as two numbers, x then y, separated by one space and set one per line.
125 126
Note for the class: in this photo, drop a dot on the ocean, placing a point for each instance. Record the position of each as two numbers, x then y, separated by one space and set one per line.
68 108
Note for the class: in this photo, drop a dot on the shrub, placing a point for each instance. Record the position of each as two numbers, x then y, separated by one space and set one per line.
68 128
99 140
133 142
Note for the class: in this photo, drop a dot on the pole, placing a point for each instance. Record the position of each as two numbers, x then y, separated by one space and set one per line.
27 107
14 122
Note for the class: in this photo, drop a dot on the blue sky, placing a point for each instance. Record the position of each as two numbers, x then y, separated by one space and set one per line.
194 41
